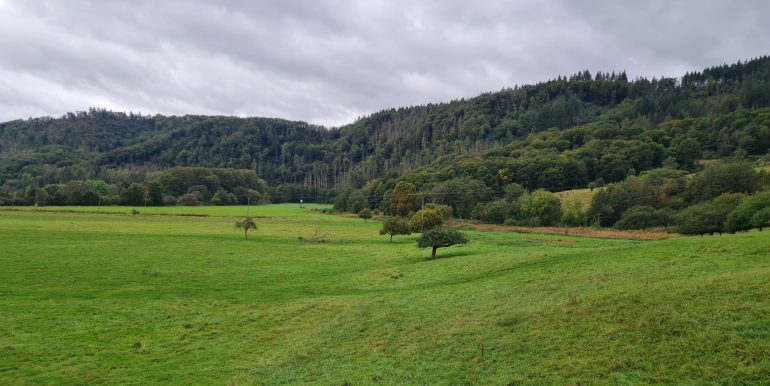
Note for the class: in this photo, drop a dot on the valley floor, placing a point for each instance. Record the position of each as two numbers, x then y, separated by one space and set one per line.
96 298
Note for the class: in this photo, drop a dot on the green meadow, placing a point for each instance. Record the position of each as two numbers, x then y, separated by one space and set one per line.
161 298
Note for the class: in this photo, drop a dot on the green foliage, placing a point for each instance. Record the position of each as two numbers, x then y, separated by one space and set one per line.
708 217
643 217
573 214
556 135
716 179
404 199
439 238
365 214
444 210
540 208
462 194
132 195
609 204
425 219
749 214
394 226
496 212
686 152
761 219
246 225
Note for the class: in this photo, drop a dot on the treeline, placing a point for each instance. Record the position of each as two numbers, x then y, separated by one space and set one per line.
177 186
723 197
563 133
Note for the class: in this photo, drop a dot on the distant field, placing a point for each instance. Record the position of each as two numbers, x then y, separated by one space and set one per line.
116 299
275 210
583 195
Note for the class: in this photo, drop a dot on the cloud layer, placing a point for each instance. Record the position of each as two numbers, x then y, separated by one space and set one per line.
329 62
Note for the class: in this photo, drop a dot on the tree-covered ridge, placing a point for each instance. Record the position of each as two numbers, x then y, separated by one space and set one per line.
564 133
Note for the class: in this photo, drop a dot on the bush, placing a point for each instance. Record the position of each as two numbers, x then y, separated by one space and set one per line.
495 212
573 214
189 199
444 210
394 226
540 208
643 217
748 214
425 219
716 179
365 214
709 217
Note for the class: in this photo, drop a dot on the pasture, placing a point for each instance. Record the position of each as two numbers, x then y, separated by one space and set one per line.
100 298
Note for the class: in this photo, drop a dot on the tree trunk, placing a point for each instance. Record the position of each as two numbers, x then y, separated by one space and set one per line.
433 254
391 238
246 233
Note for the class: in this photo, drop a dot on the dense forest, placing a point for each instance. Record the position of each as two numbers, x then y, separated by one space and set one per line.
484 156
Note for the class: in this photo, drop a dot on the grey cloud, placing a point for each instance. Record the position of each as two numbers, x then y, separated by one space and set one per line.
329 61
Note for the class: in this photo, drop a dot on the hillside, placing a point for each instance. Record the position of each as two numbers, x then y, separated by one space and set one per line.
716 107
487 158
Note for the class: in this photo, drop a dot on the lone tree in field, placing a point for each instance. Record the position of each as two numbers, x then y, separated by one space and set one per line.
365 214
395 226
440 237
247 224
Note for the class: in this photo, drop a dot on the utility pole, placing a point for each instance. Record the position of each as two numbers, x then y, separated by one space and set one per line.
422 213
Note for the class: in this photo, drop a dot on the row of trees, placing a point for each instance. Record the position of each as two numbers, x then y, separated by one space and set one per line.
661 197
178 186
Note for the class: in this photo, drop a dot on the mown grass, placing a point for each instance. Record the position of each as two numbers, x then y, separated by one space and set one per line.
112 299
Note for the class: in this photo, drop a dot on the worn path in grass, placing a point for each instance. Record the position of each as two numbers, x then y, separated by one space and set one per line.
107 299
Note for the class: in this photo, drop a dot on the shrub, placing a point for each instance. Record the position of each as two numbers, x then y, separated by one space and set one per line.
495 212
425 219
188 199
716 179
394 226
365 214
540 208
748 214
642 217
708 217
573 214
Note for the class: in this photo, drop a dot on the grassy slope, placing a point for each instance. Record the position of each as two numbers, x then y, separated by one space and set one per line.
583 195
88 298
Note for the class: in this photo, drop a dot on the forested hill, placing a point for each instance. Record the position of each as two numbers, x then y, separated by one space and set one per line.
558 134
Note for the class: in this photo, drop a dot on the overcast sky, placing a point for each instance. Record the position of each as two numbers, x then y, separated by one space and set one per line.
328 62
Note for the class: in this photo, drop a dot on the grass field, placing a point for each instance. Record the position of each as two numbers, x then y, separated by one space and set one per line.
275 210
120 299
585 196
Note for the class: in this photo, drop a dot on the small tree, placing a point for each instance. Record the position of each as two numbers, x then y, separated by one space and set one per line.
247 224
425 219
394 226
761 219
439 238
365 214
573 215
